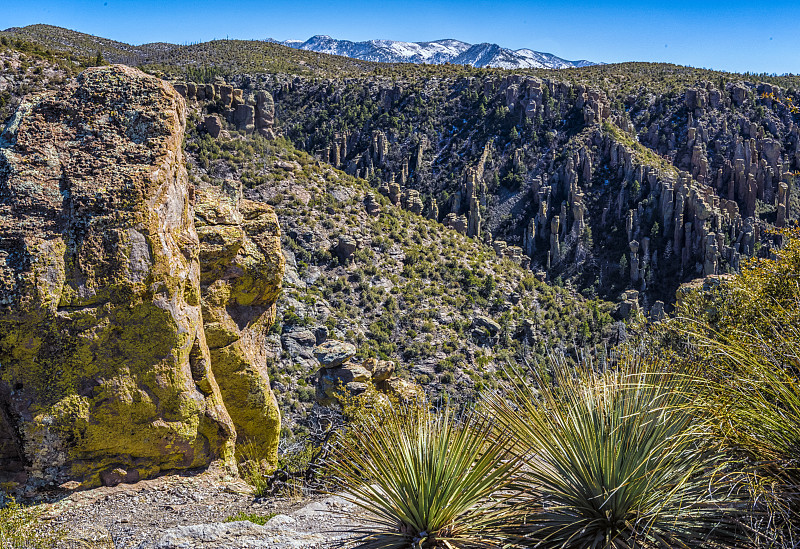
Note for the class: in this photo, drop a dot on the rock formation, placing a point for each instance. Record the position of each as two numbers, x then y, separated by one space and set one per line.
337 374
241 267
371 205
122 332
644 164
635 270
265 113
555 246
254 112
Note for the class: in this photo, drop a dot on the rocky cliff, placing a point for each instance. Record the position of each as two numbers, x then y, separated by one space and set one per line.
671 171
125 326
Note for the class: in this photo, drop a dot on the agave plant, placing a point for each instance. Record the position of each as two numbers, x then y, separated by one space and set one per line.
427 479
613 459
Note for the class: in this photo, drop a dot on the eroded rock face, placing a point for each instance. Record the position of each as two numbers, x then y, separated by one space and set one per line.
105 372
241 270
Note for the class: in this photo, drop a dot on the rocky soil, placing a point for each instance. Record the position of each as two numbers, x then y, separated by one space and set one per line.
197 510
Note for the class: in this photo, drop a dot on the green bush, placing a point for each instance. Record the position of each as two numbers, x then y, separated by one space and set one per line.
742 336
427 479
250 517
615 459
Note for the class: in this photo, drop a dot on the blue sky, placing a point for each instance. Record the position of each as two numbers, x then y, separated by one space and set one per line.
733 35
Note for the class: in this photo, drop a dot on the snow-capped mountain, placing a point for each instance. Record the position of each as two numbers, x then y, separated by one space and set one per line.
436 52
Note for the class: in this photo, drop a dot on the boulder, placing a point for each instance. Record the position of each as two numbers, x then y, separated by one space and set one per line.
404 391
348 373
381 370
104 356
333 353
299 343
629 304
345 247
486 322
356 388
213 125
127 320
331 381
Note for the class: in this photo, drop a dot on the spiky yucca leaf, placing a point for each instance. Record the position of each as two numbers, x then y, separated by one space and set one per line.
613 460
427 479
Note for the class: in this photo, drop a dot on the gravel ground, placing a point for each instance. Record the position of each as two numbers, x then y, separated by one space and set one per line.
186 511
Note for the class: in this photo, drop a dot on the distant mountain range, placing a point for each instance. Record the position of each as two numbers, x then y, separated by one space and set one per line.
436 52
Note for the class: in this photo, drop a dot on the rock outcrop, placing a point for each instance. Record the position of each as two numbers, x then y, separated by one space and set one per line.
108 372
337 374
241 266
247 113
314 526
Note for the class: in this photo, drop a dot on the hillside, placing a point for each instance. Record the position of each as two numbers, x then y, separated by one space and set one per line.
618 153
449 311
633 166
217 57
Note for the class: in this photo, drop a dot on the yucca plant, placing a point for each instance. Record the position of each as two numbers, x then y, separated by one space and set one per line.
614 459
427 479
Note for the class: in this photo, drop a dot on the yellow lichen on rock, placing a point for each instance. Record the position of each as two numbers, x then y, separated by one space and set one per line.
241 271
105 372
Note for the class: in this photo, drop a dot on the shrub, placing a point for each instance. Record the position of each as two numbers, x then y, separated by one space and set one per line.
427 479
743 336
754 399
20 527
250 517
614 459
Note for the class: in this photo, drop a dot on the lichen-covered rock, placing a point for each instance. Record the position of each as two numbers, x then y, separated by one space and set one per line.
105 372
241 270
331 381
381 370
333 353
402 390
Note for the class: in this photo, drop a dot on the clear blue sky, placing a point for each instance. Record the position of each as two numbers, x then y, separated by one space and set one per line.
732 35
